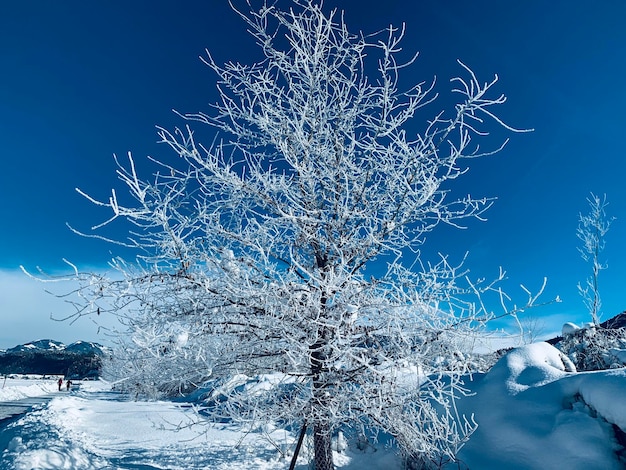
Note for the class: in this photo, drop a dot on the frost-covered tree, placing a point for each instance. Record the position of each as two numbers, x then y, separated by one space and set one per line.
288 249
592 228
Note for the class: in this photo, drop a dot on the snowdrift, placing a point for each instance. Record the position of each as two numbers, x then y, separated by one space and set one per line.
535 412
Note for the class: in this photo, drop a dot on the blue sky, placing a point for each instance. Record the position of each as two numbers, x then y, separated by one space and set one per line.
80 81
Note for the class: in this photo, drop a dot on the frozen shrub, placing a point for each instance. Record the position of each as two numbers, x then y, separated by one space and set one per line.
595 348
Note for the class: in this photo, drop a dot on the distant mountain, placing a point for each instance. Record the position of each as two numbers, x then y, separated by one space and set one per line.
86 347
618 321
81 347
41 345
47 357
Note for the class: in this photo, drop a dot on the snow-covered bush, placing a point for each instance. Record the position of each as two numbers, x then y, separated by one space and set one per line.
594 348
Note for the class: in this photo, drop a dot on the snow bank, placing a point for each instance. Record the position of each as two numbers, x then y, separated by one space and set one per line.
17 388
603 392
530 366
534 412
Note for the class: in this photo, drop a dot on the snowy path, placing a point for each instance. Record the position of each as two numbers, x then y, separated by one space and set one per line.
100 430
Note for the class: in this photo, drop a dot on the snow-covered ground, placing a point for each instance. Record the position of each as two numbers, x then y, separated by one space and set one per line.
97 429
532 414
24 386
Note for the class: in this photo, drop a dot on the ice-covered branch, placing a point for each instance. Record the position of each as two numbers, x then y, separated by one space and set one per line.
264 251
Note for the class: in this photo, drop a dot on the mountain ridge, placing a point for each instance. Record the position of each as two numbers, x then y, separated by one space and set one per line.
79 360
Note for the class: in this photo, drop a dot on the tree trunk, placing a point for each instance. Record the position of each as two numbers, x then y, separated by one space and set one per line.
322 444
322 448
321 430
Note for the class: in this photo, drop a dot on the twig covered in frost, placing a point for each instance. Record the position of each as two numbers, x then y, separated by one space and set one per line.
591 231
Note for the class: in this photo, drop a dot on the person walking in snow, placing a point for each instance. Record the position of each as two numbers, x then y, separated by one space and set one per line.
60 382
69 385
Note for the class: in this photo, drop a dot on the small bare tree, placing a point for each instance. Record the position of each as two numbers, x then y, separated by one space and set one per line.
591 231
291 247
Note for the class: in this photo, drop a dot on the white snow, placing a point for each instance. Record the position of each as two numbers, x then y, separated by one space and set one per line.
25 386
569 328
95 429
534 412
619 354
